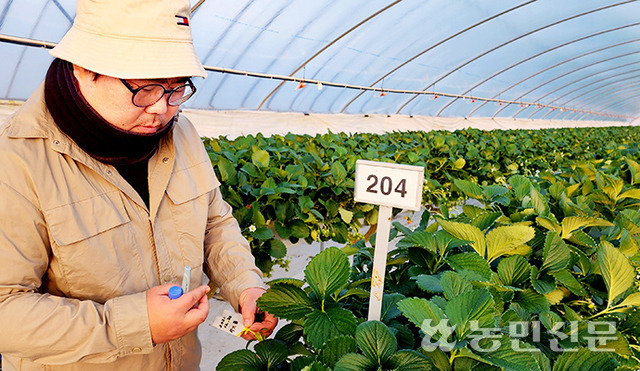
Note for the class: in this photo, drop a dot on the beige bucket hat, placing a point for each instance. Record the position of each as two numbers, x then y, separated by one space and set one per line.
132 39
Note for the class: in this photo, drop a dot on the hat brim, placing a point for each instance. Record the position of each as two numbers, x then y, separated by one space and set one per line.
129 58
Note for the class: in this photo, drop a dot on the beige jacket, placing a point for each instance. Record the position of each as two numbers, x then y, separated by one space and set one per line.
79 248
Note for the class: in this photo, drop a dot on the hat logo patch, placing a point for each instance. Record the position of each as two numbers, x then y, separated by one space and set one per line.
182 21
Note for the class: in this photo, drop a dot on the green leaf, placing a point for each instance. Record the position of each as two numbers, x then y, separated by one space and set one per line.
322 326
429 283
262 233
299 229
277 249
260 157
571 224
335 348
376 341
631 300
541 282
513 270
354 362
585 360
470 262
419 310
506 240
242 359
315 366
466 232
327 272
616 270
410 360
476 305
453 284
469 188
505 354
272 352
390 309
532 301
338 171
345 215
566 279
556 254
286 301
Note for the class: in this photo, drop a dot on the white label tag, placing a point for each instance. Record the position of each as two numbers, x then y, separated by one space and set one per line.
230 322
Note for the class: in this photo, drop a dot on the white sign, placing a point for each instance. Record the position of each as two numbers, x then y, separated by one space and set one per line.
383 183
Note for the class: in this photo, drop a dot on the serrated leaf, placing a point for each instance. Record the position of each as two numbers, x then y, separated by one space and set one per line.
472 262
410 360
422 239
429 283
466 232
504 240
566 279
469 188
453 284
271 352
338 171
291 281
633 300
242 359
315 366
260 158
549 223
355 362
571 224
556 254
585 360
335 348
376 341
532 301
345 215
327 272
390 309
419 310
476 305
322 326
485 220
538 202
514 270
616 270
286 301
542 283
508 356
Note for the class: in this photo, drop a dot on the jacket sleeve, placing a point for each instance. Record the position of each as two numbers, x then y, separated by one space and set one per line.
51 329
228 260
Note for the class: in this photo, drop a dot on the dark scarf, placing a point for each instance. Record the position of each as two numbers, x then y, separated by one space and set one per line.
127 152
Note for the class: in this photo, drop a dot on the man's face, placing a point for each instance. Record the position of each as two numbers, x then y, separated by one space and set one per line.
112 100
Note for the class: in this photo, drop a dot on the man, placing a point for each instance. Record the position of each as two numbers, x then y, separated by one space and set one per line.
106 195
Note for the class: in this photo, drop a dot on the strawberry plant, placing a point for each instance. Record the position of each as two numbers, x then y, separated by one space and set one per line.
536 273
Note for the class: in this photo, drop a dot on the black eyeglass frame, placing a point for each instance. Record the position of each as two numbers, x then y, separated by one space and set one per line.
135 91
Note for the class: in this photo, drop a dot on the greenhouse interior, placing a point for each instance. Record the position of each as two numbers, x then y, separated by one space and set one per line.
522 117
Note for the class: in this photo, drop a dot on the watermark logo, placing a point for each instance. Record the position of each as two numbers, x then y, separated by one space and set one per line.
561 337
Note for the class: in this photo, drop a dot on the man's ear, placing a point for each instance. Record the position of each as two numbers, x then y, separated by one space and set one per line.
83 75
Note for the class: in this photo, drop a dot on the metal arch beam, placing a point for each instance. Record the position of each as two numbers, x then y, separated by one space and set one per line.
511 41
224 78
537 87
590 100
63 10
583 86
577 113
553 66
557 77
194 8
358 25
435 46
22 53
613 104
595 88
596 98
607 102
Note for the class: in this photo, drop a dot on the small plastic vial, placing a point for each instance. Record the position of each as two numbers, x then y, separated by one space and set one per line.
175 292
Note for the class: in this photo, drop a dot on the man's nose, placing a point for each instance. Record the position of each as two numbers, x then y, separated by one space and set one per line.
159 107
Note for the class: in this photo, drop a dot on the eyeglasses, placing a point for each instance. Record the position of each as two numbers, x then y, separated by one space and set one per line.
148 95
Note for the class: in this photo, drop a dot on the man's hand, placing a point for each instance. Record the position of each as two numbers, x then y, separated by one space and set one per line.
248 309
171 319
